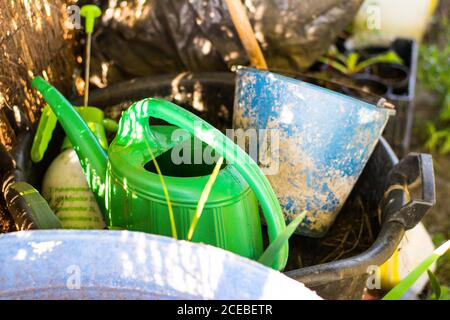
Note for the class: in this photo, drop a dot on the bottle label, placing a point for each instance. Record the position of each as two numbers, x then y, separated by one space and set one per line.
76 207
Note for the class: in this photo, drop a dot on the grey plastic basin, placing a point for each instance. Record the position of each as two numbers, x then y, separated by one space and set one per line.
69 264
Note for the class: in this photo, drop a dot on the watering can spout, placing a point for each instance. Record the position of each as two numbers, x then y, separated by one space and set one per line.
92 156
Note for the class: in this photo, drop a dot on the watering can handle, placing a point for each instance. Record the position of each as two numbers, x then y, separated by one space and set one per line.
136 121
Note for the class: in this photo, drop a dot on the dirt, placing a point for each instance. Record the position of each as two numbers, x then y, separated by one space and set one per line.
6 223
353 232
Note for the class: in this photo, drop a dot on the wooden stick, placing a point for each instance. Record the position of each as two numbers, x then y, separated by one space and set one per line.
87 67
242 24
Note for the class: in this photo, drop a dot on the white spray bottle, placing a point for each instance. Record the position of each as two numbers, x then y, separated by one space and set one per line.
64 185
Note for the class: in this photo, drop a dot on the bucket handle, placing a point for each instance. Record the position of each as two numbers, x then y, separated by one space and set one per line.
135 123
416 169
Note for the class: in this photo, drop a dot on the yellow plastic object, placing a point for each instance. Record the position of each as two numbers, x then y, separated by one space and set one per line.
415 246
379 22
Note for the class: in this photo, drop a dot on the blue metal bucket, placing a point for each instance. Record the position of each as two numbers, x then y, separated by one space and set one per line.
317 144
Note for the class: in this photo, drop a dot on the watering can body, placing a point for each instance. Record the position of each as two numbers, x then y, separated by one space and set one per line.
136 201
325 140
132 196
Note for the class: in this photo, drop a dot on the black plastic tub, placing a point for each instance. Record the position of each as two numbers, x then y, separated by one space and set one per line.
210 95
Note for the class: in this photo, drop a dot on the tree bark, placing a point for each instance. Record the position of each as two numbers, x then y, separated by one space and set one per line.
33 41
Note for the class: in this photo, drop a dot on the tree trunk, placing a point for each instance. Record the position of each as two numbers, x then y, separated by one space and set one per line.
33 41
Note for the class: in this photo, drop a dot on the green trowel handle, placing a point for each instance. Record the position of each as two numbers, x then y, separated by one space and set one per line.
90 12
47 123
134 126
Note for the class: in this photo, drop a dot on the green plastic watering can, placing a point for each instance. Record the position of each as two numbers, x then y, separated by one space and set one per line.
129 191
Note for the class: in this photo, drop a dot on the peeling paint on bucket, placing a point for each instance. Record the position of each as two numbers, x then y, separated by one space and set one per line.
326 139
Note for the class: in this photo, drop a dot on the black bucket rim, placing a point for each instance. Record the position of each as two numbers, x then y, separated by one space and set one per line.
391 231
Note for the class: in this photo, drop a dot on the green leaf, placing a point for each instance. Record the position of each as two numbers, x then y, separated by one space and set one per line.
271 253
434 285
400 289
445 293
334 53
352 60
445 111
438 238
437 139
349 65
445 148
388 57
336 65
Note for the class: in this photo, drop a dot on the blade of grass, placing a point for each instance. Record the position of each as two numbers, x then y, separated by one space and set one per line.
203 198
166 193
435 285
400 289
271 253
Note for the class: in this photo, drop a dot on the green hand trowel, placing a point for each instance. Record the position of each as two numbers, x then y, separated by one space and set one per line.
90 12
64 184
130 192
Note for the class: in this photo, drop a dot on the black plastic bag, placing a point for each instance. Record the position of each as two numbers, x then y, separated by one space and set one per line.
139 38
